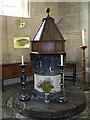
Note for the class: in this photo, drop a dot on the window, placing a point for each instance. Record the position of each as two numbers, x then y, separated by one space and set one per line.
18 8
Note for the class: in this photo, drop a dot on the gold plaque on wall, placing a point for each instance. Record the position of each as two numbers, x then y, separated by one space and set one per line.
21 42
21 23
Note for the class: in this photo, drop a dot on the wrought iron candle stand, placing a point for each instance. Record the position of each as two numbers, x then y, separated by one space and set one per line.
24 96
84 86
61 98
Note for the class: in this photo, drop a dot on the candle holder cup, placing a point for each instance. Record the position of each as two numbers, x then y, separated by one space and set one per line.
61 98
24 96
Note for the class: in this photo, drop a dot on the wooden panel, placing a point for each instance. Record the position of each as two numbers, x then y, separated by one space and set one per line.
13 70
48 47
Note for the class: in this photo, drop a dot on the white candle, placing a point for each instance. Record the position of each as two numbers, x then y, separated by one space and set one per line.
22 57
83 41
61 60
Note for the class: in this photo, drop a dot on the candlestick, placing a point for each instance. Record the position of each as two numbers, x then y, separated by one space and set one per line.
61 97
61 60
22 57
83 41
24 96
84 86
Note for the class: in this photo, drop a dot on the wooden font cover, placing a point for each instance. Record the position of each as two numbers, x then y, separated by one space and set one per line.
48 39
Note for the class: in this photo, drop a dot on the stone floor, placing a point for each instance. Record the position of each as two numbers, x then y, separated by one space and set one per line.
9 113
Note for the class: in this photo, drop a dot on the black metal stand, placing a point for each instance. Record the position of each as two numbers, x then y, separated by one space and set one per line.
61 98
24 96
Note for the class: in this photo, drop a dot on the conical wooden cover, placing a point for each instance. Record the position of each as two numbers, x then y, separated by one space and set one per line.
48 30
48 38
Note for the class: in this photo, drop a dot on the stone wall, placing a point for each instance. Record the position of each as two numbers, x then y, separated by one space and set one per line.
10 29
71 24
70 17
89 42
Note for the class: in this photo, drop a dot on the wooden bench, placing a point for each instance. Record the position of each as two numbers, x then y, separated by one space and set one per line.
71 65
13 70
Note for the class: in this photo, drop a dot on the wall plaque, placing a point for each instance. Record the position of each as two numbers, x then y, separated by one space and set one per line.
21 42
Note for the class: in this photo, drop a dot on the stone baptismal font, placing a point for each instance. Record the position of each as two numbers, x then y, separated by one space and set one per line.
50 99
48 53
